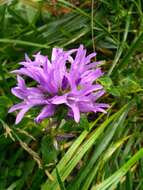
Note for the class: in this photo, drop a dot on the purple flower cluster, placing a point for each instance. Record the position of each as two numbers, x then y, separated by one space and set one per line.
69 79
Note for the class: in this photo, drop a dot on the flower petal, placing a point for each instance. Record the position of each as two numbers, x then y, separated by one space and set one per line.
76 112
16 107
55 53
21 114
47 111
59 99
20 93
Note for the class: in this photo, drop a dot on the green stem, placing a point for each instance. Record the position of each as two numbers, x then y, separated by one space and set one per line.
21 42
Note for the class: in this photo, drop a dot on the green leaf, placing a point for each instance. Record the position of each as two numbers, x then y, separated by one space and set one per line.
114 90
99 148
106 81
131 51
103 158
83 123
49 153
69 161
61 184
5 101
114 179
24 43
129 86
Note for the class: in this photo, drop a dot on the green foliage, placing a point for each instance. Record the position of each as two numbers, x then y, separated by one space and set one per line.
47 148
102 152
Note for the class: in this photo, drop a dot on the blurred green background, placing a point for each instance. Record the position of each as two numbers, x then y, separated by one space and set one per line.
104 151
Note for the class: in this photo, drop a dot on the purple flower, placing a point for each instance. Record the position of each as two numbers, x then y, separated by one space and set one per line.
69 79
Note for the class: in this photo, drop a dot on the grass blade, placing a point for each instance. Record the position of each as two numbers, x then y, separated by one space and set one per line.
21 42
61 184
116 177
100 147
71 162
130 52
102 161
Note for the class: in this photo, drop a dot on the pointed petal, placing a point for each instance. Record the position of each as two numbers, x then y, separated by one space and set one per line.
97 95
21 82
76 112
19 92
16 107
21 114
47 111
89 57
93 65
27 58
40 59
102 105
99 110
59 99
55 53
89 89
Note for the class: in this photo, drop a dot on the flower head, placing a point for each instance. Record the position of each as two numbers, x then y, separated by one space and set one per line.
69 79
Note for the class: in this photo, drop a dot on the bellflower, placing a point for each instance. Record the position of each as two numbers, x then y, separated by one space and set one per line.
68 79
